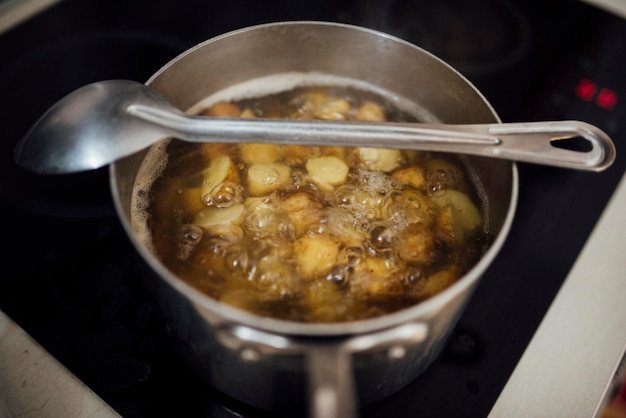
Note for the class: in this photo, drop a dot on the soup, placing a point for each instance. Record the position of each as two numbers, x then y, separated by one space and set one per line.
311 234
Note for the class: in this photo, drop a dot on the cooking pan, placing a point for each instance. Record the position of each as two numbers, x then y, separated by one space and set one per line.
291 367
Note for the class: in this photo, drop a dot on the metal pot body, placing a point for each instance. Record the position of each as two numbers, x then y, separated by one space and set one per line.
269 363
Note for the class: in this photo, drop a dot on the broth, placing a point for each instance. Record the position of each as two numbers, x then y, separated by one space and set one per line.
311 234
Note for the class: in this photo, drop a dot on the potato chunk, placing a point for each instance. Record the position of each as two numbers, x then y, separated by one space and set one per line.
333 109
465 213
223 109
417 244
298 154
315 255
261 153
208 217
265 178
370 111
413 176
380 159
436 282
324 301
374 278
303 211
210 151
341 225
327 171
219 170
248 113
378 267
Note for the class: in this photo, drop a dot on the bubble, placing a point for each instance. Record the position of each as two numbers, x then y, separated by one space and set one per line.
405 208
189 236
382 236
223 195
346 195
442 174
265 219
360 201
228 232
343 225
340 275
414 278
271 177
273 275
299 177
237 258
378 180
351 256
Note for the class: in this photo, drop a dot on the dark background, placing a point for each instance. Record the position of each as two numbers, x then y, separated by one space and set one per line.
71 278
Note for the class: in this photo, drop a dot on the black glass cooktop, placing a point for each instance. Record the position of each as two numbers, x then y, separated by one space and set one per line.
71 278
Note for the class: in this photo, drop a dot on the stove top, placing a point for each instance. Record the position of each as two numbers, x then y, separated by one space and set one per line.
73 282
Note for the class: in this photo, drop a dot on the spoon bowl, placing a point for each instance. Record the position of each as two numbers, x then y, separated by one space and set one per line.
105 121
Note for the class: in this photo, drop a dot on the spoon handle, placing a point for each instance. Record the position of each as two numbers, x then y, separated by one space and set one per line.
527 141
537 142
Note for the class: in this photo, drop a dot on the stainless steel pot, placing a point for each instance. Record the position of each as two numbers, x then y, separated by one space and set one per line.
281 365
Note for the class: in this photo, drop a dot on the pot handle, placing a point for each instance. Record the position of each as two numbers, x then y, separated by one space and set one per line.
331 385
329 365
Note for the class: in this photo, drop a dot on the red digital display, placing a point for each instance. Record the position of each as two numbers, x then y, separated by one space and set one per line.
586 89
606 98
589 91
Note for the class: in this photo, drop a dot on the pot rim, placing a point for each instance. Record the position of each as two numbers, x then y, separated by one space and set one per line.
238 317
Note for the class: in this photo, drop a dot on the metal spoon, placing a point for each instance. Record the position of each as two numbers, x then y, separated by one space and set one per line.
106 121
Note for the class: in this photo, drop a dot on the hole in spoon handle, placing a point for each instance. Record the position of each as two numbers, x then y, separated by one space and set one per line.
534 142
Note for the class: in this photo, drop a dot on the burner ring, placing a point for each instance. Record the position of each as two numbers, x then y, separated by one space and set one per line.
477 38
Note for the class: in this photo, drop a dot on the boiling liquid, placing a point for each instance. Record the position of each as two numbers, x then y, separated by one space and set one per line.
311 234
